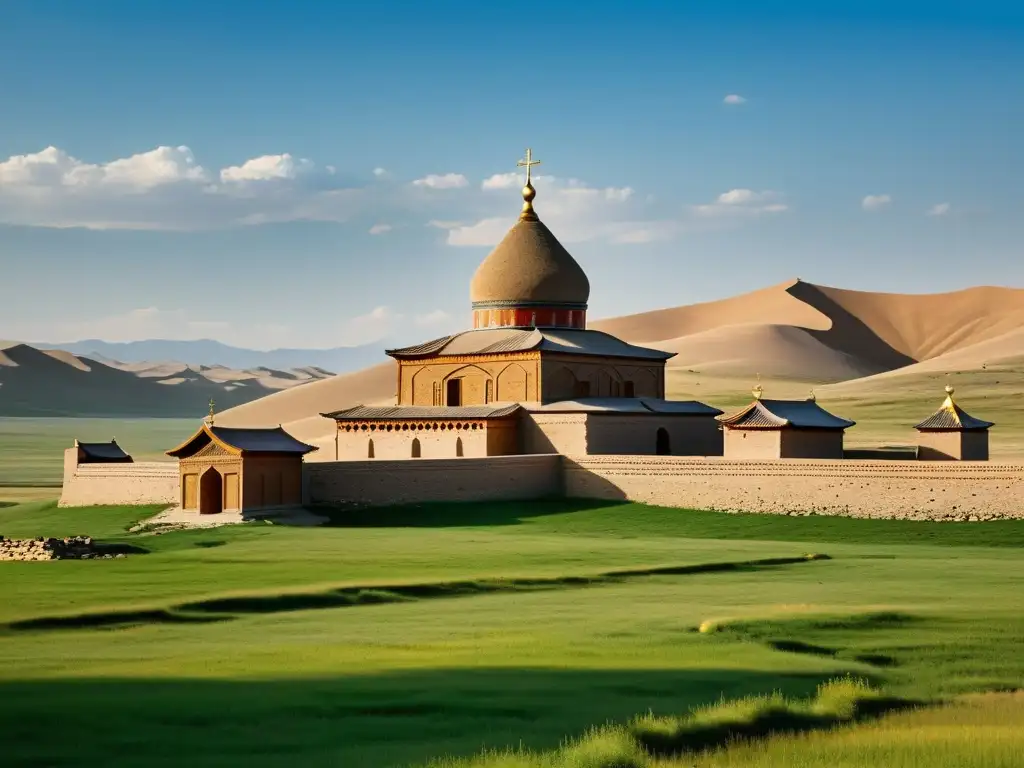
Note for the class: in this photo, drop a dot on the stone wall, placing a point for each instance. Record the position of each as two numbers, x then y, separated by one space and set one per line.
890 489
407 482
153 482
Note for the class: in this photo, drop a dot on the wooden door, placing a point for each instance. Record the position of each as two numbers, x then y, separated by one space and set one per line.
231 490
190 492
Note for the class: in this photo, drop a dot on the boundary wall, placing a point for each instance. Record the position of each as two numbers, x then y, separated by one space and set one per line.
917 490
379 483
947 490
143 482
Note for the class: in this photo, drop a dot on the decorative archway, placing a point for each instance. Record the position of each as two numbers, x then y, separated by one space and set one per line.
416 448
369 449
211 493
459 453
663 445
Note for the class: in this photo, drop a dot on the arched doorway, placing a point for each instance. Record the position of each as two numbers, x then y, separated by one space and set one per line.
458 447
416 448
211 493
369 450
663 445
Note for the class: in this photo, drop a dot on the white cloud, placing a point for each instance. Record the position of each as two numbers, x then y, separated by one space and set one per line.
742 202
166 188
431 319
734 98
268 167
939 209
442 181
875 202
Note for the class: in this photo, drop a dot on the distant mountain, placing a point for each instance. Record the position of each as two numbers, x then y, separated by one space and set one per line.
35 382
209 352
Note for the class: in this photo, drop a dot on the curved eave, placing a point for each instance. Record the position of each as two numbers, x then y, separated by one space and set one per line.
204 430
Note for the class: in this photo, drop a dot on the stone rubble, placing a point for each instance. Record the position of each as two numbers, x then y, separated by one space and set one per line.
69 548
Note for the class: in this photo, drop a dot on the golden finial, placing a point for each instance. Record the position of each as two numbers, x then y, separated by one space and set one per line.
528 191
758 390
812 397
211 412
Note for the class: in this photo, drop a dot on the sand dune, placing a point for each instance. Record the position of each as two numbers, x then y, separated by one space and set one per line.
372 385
778 351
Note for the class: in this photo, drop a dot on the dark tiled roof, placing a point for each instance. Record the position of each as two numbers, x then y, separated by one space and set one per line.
952 417
485 341
626 405
248 441
103 451
367 412
274 440
774 414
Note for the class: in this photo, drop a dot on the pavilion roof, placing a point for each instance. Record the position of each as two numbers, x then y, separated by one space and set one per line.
244 441
951 417
103 451
776 414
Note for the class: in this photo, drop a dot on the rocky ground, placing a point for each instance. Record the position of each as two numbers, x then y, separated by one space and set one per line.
70 548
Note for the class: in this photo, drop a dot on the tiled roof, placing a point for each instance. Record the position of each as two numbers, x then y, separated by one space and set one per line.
103 451
367 412
774 414
626 405
952 417
248 441
485 341
274 440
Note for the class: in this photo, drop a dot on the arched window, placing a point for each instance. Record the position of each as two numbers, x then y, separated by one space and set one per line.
415 447
369 450
453 393
663 445
458 447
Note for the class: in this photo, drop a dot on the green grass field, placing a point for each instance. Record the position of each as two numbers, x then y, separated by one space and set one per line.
404 636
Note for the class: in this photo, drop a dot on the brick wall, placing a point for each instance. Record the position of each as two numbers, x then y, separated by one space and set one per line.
153 482
892 489
403 482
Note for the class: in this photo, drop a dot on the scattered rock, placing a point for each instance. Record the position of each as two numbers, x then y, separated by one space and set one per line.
39 549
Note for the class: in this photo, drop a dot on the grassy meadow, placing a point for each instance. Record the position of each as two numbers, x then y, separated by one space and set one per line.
520 634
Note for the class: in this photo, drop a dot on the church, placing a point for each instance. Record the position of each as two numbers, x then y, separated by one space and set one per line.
528 377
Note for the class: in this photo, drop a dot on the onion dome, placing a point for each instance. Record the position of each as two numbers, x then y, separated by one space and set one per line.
529 280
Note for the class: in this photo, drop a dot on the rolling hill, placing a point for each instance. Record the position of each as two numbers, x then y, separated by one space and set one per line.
56 383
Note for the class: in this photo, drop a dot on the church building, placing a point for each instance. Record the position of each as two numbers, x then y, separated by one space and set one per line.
529 377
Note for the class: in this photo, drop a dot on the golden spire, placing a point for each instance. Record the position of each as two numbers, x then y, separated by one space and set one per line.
211 412
528 191
758 390
812 397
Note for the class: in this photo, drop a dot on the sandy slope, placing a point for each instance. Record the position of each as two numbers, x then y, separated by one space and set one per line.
372 385
780 351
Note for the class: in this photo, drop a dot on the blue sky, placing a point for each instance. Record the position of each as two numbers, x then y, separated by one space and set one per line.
319 174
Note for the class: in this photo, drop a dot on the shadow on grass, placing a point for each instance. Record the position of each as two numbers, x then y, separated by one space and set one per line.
811 635
454 515
382 720
226 608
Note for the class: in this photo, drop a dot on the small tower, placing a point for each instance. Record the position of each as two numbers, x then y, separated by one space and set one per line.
952 434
